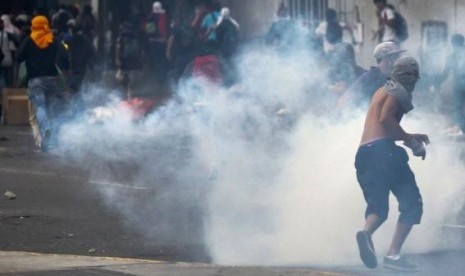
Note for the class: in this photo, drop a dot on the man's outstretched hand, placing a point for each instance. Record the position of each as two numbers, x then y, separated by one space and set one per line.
416 143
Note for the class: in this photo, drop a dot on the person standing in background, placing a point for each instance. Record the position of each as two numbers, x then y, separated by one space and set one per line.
386 21
82 57
455 66
129 57
87 22
360 92
9 35
209 24
157 31
331 30
227 31
42 53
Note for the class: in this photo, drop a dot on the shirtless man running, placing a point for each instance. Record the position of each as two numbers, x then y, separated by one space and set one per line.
382 166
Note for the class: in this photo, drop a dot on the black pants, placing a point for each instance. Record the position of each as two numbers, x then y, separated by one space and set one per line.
382 167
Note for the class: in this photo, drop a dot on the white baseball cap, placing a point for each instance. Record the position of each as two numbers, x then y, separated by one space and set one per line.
385 49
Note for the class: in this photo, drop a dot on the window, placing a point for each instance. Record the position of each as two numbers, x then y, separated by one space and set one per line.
307 10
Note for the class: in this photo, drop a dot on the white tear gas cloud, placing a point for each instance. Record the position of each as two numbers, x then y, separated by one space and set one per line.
224 168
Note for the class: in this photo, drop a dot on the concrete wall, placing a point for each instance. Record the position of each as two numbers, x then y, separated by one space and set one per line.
255 17
415 12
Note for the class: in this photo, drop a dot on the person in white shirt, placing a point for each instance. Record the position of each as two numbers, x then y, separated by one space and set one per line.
8 48
386 18
331 30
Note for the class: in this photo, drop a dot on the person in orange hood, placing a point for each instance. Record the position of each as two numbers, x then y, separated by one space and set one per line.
42 54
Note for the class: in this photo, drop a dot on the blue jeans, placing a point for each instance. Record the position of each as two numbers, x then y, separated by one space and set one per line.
43 95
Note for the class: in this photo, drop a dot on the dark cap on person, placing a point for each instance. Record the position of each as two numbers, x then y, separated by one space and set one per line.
385 49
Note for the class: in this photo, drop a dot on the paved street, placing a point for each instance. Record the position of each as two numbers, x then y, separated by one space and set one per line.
59 210
59 214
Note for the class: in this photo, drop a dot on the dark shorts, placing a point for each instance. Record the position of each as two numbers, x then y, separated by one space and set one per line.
382 167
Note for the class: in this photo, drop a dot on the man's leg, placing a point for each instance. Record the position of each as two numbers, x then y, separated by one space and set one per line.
375 187
35 126
372 223
55 106
36 93
402 231
394 260
365 242
411 209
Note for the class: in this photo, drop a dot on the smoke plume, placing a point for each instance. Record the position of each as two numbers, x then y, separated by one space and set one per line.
261 173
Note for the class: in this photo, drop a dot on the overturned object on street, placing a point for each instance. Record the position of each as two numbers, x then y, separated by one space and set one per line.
10 195
137 108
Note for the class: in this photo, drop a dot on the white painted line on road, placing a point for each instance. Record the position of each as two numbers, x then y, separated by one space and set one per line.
120 185
16 171
454 226
47 174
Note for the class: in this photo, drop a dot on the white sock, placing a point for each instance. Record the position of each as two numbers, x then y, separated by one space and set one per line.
394 257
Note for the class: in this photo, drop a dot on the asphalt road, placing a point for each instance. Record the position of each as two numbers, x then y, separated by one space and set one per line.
58 209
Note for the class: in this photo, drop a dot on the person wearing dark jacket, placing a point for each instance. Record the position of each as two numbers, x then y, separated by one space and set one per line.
227 31
42 53
82 56
360 92
342 68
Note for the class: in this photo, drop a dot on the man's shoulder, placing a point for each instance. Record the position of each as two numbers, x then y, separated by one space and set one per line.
389 12
380 94
383 96
368 76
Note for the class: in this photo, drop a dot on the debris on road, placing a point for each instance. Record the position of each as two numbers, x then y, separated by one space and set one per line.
92 250
10 195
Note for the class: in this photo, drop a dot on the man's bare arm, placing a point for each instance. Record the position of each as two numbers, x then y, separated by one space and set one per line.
394 130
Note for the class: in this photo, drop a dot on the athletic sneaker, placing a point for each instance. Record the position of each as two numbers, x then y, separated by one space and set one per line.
367 250
400 264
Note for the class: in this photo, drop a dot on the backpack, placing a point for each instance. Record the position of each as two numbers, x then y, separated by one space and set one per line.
400 27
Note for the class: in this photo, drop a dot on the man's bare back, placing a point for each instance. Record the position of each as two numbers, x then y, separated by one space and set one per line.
382 122
384 109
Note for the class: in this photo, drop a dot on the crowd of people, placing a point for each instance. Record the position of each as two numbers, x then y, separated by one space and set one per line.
168 47
53 56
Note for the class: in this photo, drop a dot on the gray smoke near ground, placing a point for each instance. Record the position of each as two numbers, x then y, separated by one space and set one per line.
261 173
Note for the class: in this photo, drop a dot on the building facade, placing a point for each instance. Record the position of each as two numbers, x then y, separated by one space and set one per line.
431 23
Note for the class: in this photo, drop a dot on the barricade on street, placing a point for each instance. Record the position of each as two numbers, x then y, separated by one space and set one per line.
15 104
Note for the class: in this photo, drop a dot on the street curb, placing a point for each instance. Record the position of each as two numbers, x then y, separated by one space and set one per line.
27 262
22 261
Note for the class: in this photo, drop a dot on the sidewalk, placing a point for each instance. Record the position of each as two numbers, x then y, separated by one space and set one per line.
34 264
